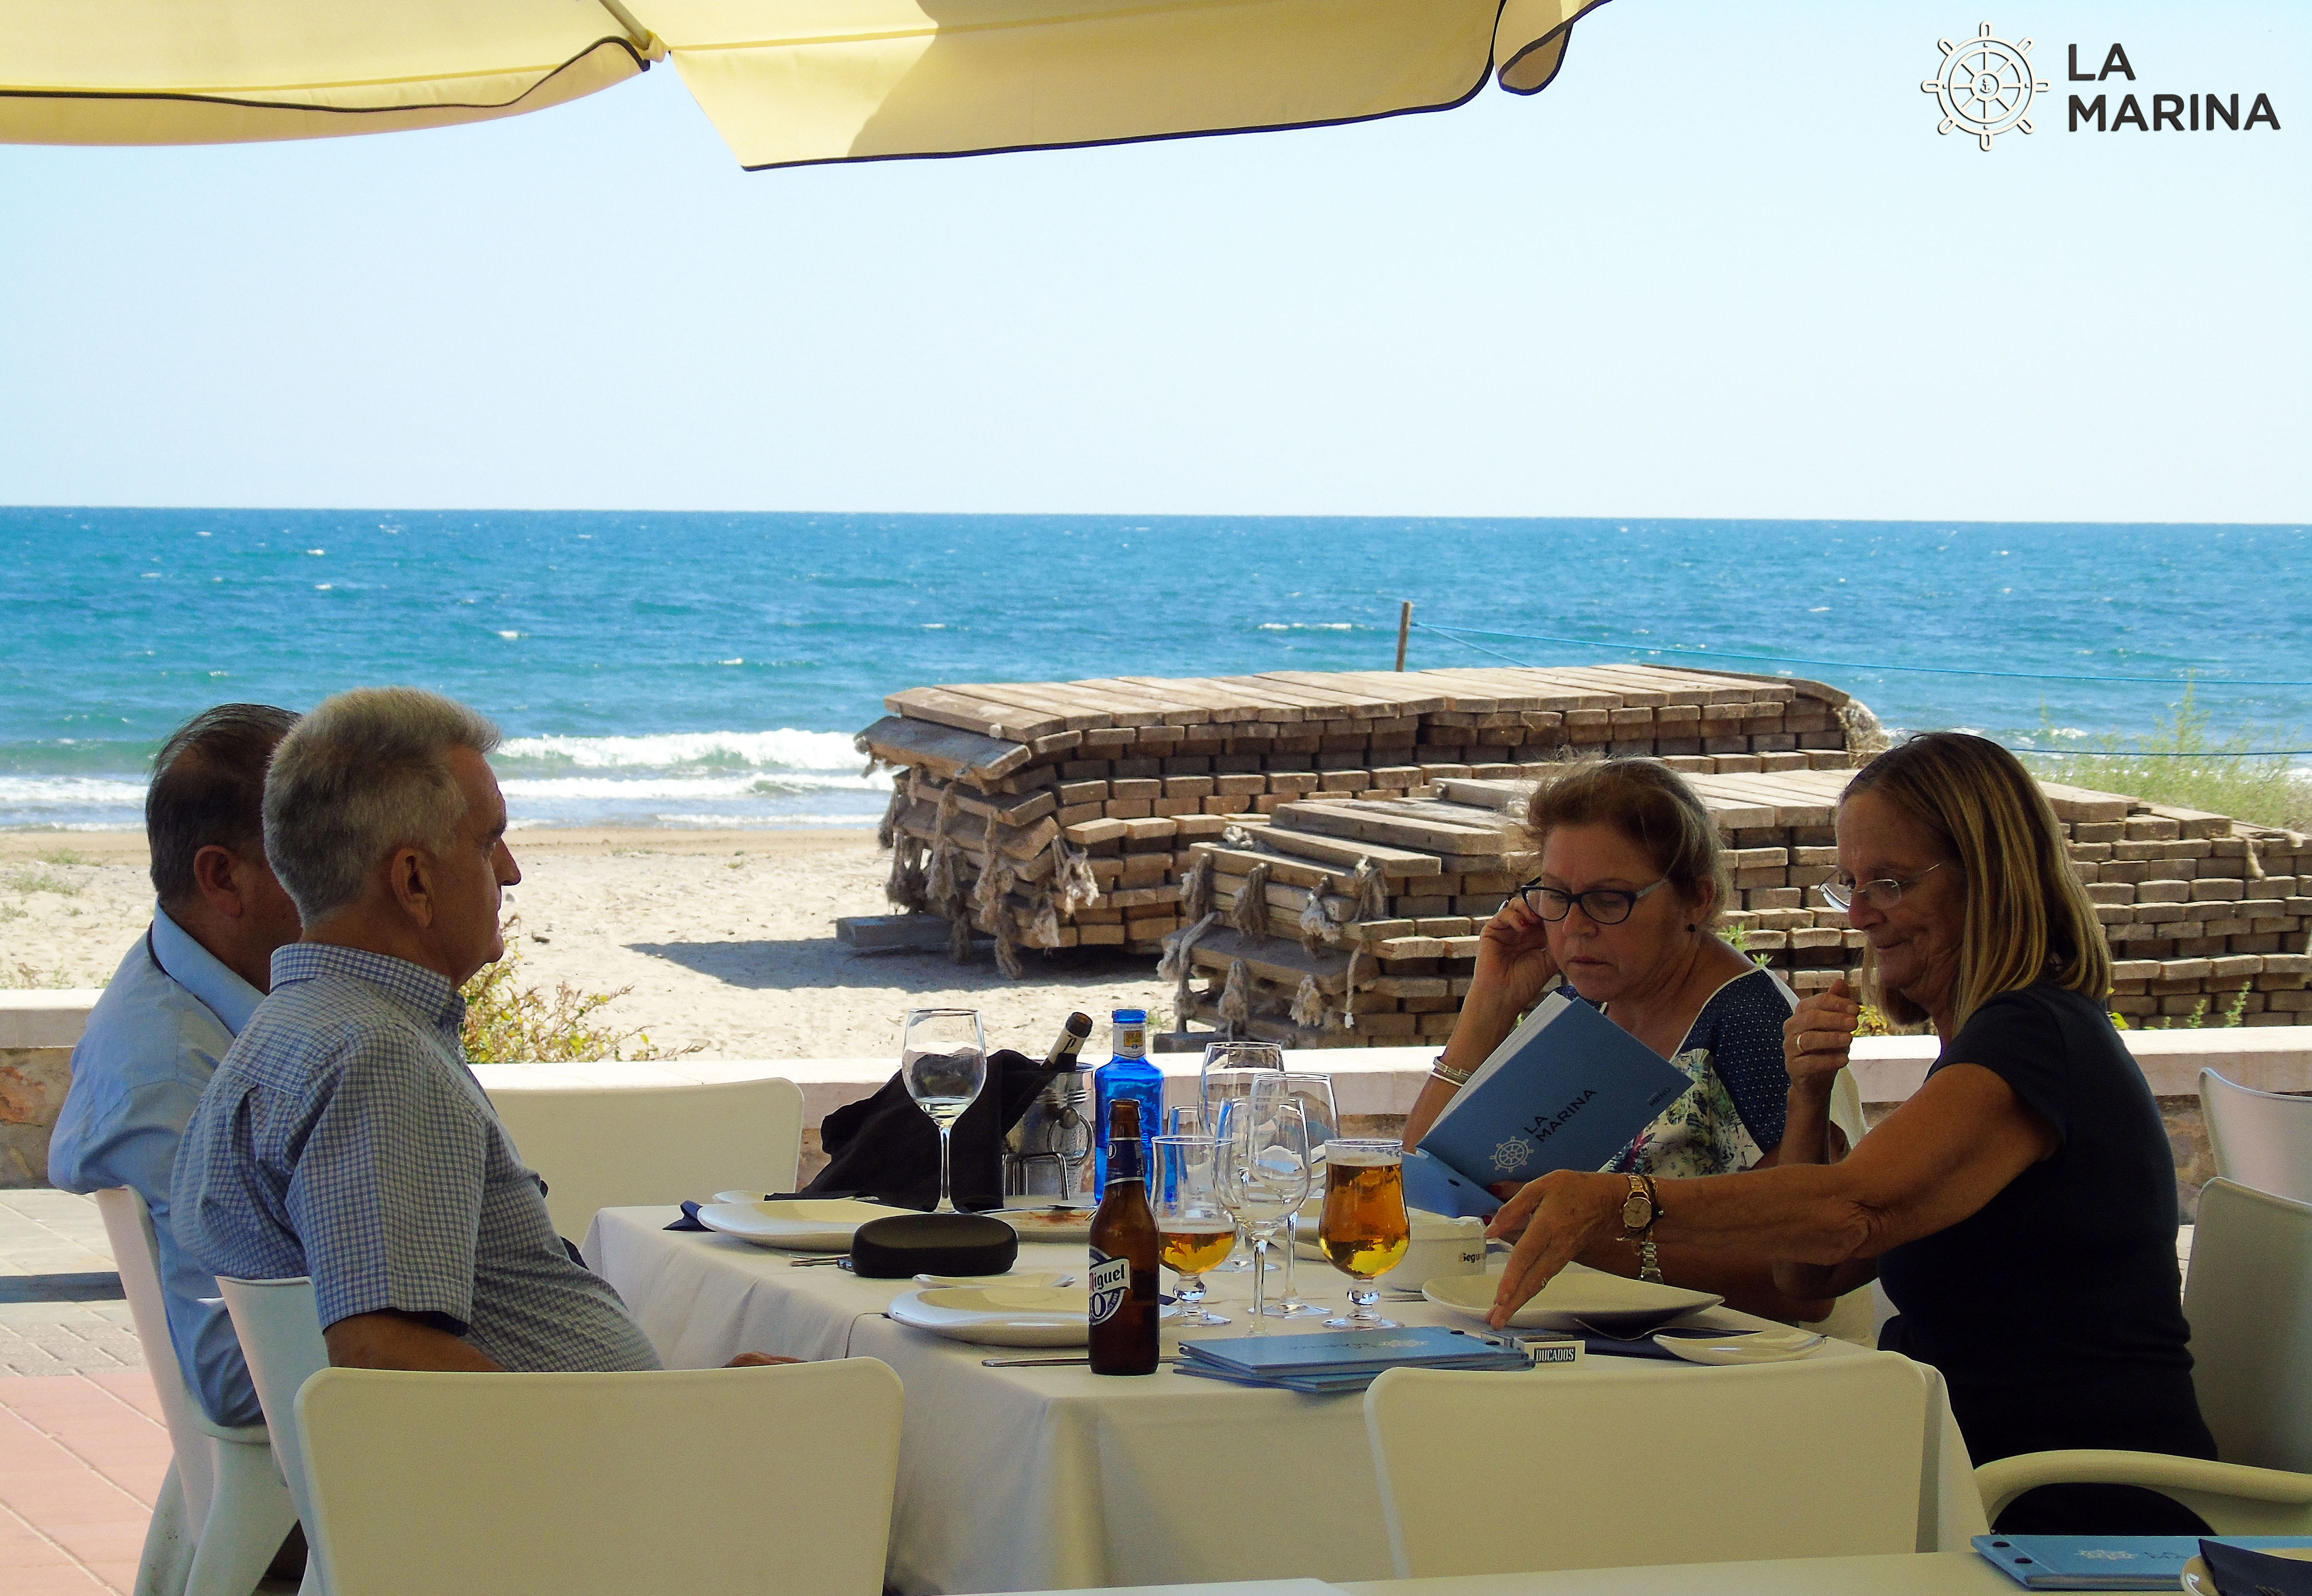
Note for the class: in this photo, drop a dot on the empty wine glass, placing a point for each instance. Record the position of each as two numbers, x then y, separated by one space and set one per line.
944 1060
1365 1228
1193 1230
1313 1095
1229 1071
1264 1172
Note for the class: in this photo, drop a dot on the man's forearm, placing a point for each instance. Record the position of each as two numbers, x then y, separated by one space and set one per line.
388 1340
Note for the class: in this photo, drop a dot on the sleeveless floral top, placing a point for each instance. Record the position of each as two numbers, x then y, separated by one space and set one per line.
1733 1113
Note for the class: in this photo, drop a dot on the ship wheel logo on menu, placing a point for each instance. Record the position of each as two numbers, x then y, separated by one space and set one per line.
1985 87
1509 1156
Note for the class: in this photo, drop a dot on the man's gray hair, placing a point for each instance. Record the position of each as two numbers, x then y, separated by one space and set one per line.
363 774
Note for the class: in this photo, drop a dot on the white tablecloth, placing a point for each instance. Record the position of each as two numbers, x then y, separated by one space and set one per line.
1028 1480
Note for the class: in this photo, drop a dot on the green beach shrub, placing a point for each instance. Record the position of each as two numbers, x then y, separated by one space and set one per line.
509 1022
2161 768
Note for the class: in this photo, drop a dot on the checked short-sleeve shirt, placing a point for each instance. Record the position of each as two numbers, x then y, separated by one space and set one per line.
343 1138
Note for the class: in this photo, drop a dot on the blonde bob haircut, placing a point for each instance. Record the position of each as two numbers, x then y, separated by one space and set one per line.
1649 803
2028 919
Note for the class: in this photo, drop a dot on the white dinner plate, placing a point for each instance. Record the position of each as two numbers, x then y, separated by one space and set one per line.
1048 1225
2199 1581
1025 1279
1607 1302
1753 1346
1000 1315
798 1225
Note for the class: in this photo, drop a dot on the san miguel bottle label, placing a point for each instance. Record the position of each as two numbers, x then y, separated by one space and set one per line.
1111 1285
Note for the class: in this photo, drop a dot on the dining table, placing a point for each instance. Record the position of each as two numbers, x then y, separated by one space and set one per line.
1886 1574
1052 1478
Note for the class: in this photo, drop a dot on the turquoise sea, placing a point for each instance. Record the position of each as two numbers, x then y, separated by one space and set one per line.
700 668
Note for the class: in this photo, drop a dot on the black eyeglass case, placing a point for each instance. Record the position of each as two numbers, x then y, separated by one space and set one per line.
910 1244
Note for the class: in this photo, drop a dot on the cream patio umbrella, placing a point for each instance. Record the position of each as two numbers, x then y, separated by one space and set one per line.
786 81
181 72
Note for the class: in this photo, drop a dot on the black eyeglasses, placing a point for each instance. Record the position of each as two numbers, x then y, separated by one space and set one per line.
1607 906
1882 894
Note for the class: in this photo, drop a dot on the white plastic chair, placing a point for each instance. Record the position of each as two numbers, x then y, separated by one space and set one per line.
673 1483
2262 1139
279 1325
237 1506
1818 1458
626 1147
2249 1302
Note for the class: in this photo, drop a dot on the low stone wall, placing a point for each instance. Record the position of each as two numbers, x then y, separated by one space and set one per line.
37 1033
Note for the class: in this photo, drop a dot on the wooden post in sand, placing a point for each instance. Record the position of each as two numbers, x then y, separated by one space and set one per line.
1404 630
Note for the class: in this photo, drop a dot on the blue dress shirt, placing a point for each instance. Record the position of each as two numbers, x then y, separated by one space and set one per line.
345 1139
153 1041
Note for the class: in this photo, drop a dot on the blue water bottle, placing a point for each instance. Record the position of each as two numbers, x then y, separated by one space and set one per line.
1127 1074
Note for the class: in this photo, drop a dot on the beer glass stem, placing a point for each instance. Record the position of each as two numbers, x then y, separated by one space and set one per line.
947 1195
1361 1298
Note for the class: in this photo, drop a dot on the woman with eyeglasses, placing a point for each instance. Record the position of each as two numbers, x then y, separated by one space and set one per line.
2019 1209
1624 909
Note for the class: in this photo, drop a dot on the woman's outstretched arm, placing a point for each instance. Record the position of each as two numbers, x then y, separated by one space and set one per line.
1956 1145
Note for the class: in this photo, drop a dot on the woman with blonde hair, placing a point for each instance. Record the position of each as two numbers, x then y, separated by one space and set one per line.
1625 908
2019 1209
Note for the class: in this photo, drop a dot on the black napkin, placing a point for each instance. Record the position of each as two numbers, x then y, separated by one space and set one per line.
2239 1571
886 1147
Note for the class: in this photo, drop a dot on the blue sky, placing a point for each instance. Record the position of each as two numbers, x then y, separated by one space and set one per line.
1724 267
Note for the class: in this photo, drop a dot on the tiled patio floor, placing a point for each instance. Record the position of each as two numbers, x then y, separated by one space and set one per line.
81 1460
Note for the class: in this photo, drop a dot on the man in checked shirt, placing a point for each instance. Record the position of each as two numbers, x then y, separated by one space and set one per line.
343 1138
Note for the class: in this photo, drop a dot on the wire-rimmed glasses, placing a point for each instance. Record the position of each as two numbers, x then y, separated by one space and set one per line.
1264 1175
1194 1231
943 1061
1840 891
1605 906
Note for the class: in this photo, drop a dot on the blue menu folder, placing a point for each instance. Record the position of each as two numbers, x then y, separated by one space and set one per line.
1566 1091
2107 1562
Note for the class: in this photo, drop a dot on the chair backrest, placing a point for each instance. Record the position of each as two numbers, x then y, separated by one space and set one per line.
279 1325
2262 1139
624 1146
2249 1301
1818 1458
775 1480
136 1254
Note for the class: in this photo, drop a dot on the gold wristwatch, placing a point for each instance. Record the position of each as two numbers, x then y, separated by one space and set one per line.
1640 1211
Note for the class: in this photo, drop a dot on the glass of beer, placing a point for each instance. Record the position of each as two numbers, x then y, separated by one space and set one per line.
1365 1230
1194 1231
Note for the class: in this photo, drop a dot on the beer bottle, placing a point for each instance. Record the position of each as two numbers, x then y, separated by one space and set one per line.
1124 1282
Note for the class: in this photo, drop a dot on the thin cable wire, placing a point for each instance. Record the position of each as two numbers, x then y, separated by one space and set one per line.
2043 753
1787 659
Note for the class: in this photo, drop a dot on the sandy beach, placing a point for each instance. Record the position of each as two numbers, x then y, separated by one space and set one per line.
726 938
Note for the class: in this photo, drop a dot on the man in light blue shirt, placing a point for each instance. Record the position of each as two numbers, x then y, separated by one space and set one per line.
173 1008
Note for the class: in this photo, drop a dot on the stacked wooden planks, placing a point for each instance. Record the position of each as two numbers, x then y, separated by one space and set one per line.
1059 814
1344 923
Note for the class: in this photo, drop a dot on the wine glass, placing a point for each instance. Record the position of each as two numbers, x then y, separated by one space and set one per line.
1194 1230
1365 1229
1264 1171
944 1060
1313 1095
1229 1071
